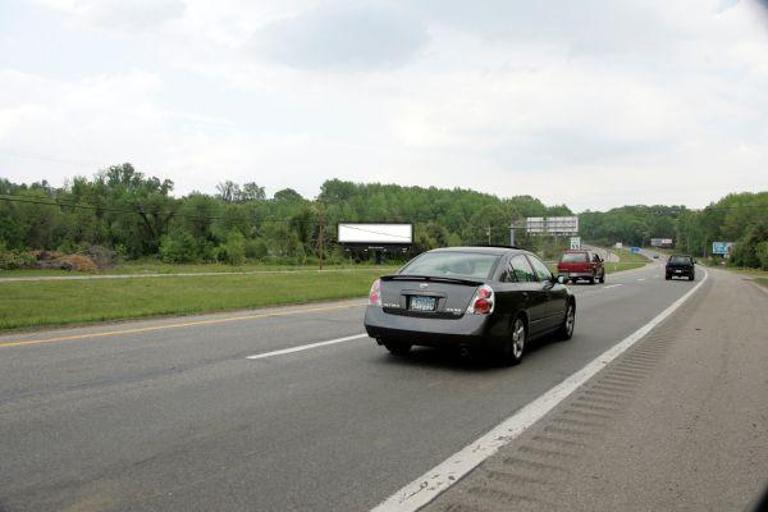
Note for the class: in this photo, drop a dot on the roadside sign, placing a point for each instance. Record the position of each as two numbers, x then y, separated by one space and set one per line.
552 225
722 248
575 242
634 250
665 243
618 245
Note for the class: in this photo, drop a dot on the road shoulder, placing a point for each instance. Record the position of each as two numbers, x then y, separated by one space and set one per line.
678 422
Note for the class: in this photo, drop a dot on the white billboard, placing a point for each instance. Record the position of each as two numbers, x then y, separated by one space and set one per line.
364 233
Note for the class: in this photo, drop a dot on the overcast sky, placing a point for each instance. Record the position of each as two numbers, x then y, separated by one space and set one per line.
592 103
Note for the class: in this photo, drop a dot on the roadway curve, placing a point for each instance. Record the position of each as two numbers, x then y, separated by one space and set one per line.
171 414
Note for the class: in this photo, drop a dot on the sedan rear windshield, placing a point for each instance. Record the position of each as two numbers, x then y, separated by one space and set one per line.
574 257
680 260
452 264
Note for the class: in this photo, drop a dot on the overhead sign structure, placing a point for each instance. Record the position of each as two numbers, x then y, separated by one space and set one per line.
575 242
722 248
375 234
665 243
552 225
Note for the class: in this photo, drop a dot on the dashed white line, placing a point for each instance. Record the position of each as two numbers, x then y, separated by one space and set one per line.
612 286
308 346
435 481
641 279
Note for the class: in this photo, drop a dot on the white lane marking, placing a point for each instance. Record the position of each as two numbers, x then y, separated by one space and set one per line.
435 481
309 346
612 286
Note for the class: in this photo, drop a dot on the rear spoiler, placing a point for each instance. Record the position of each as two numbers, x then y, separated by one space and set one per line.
436 279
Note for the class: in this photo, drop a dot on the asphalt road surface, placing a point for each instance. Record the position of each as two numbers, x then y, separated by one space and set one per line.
172 414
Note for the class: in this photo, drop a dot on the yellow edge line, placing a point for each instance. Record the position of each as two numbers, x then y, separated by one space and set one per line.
168 326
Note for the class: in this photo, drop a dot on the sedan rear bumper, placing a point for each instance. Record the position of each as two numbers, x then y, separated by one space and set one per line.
434 332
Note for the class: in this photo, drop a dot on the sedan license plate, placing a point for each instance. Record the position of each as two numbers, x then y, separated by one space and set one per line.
678 271
419 303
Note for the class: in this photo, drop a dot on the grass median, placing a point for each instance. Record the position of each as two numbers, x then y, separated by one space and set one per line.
623 265
55 303
628 261
154 267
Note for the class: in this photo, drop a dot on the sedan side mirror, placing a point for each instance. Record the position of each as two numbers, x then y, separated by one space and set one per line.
561 279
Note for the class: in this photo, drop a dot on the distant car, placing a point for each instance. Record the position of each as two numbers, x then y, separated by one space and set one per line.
679 265
655 256
470 297
579 264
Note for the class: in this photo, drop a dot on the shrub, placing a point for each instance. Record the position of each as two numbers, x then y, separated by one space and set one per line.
762 254
256 249
178 247
233 250
10 260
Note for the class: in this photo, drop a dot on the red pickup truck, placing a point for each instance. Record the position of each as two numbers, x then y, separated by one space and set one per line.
582 265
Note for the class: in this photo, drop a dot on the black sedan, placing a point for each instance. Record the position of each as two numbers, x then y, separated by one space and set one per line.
470 297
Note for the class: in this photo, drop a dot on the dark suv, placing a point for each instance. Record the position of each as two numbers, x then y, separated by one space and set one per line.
681 266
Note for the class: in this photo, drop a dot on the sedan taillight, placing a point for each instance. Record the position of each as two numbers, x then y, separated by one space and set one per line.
483 301
374 297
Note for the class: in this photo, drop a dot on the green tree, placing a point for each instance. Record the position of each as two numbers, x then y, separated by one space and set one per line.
232 251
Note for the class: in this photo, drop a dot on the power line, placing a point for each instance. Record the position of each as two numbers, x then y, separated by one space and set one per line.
63 203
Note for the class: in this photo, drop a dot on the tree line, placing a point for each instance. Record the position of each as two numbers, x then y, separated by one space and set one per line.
137 216
739 218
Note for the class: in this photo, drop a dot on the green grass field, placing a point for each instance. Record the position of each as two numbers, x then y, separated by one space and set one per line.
628 261
158 267
54 303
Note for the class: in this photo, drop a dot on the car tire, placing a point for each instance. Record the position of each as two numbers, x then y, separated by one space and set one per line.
602 278
668 277
565 332
691 277
397 348
592 279
513 348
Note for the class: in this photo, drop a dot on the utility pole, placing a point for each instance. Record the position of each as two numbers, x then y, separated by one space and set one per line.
489 234
321 234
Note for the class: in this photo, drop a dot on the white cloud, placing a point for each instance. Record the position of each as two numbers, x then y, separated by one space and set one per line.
507 97
350 37
137 15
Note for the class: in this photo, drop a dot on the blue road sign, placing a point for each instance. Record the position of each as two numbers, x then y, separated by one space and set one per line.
721 248
634 250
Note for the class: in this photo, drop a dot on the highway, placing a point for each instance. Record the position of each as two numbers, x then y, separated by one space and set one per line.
217 412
